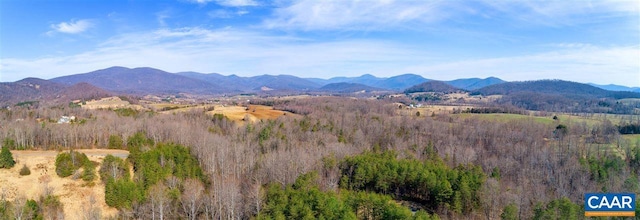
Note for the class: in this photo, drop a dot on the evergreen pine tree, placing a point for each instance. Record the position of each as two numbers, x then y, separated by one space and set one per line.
6 158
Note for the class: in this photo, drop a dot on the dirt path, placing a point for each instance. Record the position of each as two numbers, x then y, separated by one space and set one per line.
74 194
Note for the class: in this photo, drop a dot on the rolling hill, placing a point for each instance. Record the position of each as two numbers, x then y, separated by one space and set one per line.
474 83
82 91
554 87
344 87
432 86
34 89
560 96
28 89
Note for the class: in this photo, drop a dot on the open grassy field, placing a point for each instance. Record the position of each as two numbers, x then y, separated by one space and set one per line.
598 118
252 112
427 110
633 139
109 102
185 108
506 117
588 119
166 106
74 194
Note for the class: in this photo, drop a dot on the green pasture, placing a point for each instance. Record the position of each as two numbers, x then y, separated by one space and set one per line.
589 120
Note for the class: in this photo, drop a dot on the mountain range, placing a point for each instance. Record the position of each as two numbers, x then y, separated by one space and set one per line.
139 81
145 80
395 83
345 87
149 80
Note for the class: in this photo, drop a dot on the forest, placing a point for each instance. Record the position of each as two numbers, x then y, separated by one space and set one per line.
335 158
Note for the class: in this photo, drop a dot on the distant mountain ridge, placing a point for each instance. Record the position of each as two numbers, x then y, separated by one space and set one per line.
612 87
404 81
139 80
365 79
145 80
560 96
343 87
474 83
233 83
554 87
395 83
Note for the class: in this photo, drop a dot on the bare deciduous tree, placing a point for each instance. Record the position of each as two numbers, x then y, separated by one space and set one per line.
191 198
18 207
91 210
159 201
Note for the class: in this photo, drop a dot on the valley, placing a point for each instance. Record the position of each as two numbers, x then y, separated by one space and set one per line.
249 146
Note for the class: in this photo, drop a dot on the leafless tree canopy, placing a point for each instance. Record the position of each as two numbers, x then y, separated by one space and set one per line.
526 161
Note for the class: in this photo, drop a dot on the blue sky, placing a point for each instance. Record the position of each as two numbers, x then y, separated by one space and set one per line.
584 41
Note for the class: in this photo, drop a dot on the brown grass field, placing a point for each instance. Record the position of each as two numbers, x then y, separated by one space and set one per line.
109 102
73 194
180 108
252 113
428 110
160 106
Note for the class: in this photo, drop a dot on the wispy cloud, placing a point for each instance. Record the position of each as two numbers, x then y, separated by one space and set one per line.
222 13
345 14
381 14
572 61
229 3
162 16
229 51
222 50
71 27
561 13
237 3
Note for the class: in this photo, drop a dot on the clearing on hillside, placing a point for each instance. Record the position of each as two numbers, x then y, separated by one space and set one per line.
113 102
252 113
74 194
